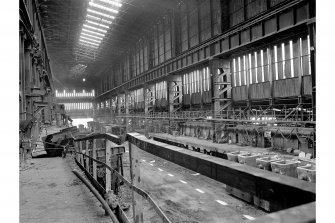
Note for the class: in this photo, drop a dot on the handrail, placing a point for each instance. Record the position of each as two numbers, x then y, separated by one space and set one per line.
98 196
223 119
132 187
114 138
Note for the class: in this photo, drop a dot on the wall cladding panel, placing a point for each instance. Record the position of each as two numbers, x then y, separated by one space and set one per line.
186 99
224 44
240 93
201 54
275 2
302 12
236 12
216 17
206 95
196 98
307 82
270 26
245 36
286 88
256 31
286 19
193 28
217 48
234 40
195 57
205 20
260 90
255 7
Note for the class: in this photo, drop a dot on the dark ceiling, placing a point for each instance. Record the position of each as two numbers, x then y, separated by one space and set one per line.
62 21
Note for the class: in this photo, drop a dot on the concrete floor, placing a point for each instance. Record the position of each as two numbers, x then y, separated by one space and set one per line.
186 196
50 192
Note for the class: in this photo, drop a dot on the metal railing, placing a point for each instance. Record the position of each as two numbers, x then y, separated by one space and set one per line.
286 115
111 142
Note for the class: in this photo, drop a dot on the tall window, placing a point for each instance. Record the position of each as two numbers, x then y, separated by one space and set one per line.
204 73
262 65
245 62
276 62
239 71
186 84
288 59
196 81
161 90
234 72
305 58
138 95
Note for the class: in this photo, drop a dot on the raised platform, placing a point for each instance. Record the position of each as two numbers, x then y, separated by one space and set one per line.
207 144
274 191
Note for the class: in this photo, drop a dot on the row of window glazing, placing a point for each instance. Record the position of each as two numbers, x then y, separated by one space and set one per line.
136 96
159 40
193 82
283 60
242 10
199 20
196 81
74 94
78 106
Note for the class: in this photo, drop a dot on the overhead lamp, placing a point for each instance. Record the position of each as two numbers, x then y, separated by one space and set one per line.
97 24
93 40
84 79
103 7
97 29
115 3
95 37
95 33
100 13
99 19
85 41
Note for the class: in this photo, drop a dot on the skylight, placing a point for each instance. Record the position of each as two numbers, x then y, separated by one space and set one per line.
99 18
92 32
97 29
85 41
94 37
100 13
103 7
115 3
93 40
97 24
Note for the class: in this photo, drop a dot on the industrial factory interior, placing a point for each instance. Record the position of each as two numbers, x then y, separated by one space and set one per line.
167 111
